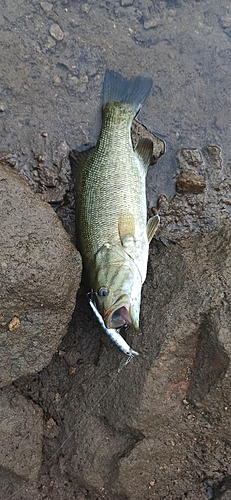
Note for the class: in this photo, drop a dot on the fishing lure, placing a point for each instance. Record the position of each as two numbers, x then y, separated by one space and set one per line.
114 334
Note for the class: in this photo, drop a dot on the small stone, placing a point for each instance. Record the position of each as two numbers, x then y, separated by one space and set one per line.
72 370
84 79
14 324
50 423
190 156
151 23
225 21
57 80
56 32
85 8
190 183
44 134
51 43
47 6
73 80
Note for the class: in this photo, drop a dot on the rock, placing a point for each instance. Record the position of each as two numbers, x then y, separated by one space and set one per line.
56 32
85 8
21 429
46 6
197 209
190 183
189 156
140 131
151 23
39 276
225 21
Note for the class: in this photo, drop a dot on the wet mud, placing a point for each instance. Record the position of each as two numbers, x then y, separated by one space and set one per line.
87 426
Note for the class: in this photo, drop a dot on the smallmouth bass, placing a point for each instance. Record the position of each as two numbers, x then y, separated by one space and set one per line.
113 235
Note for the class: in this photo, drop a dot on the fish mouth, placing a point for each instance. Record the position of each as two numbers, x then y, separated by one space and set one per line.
118 315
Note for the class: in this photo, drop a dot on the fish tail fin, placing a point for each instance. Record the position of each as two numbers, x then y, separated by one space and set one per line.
132 92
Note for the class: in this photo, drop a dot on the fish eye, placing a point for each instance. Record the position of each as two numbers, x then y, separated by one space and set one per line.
103 291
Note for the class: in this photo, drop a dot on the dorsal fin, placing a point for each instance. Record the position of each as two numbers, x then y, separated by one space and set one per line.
152 226
144 150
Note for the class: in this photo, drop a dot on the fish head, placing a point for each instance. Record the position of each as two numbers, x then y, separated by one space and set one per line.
117 287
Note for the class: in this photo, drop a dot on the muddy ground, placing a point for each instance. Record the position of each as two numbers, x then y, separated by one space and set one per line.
88 426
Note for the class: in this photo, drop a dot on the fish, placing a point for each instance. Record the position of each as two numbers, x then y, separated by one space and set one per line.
112 231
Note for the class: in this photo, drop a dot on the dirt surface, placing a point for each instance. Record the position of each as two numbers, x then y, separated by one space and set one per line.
88 426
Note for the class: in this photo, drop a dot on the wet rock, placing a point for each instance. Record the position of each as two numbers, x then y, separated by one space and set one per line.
140 131
188 157
190 183
213 154
39 276
56 32
21 428
151 23
51 43
47 6
197 209
85 8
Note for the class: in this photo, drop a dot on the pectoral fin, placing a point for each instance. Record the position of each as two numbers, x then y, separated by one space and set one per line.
152 226
126 225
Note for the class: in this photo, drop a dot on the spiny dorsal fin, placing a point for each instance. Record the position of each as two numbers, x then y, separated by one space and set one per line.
144 149
152 226
78 158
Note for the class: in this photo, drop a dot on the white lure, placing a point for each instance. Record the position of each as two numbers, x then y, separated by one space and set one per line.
114 334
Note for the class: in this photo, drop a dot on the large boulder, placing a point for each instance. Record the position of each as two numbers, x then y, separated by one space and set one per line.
39 276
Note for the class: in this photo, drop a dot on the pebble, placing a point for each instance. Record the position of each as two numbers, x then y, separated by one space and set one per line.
189 156
85 8
84 79
14 324
188 182
151 23
47 6
50 43
57 80
225 21
56 32
73 80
